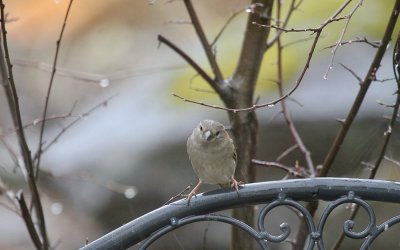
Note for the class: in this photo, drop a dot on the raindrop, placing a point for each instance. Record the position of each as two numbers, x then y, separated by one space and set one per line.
386 227
271 105
174 221
130 192
56 208
84 117
104 83
35 122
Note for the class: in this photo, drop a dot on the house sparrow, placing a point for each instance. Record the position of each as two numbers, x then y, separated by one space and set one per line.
212 154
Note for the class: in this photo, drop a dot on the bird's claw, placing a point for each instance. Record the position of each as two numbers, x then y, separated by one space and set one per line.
235 184
189 196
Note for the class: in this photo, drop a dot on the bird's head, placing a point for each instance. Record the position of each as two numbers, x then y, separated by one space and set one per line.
209 131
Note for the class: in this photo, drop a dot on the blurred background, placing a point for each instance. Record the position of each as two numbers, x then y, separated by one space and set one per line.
127 156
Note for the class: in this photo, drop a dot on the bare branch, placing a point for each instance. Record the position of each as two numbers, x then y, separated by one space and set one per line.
374 44
370 76
79 117
180 195
189 60
314 30
297 172
203 39
28 221
384 80
39 120
234 14
46 103
351 72
286 152
12 99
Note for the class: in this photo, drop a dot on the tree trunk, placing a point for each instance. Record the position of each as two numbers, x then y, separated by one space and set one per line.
244 124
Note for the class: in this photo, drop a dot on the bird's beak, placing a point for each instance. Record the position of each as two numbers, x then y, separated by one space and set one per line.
207 135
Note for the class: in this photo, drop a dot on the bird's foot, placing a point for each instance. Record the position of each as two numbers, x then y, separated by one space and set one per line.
189 196
235 184
193 192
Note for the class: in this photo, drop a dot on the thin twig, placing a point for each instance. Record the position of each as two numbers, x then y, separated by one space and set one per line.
385 104
180 195
292 8
286 152
290 170
384 80
338 43
10 151
39 120
351 72
234 14
91 77
85 114
297 41
397 163
46 103
6 206
374 44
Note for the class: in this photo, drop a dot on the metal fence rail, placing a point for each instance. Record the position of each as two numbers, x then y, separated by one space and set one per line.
149 227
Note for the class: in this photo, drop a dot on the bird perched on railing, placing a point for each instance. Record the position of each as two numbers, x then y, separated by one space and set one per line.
212 154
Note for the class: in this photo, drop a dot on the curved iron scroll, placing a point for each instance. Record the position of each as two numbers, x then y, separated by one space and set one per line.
151 226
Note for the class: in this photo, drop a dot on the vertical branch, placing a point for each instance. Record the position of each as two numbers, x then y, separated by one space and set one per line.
245 124
203 39
7 79
364 85
46 103
286 113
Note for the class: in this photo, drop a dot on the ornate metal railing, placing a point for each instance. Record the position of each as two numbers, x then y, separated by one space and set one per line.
149 227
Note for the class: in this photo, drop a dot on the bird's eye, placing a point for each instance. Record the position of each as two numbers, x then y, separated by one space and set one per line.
201 128
217 133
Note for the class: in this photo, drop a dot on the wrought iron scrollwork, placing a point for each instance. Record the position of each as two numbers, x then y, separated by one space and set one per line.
150 227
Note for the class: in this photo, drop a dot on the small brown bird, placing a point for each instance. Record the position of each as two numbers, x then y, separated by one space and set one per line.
212 154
